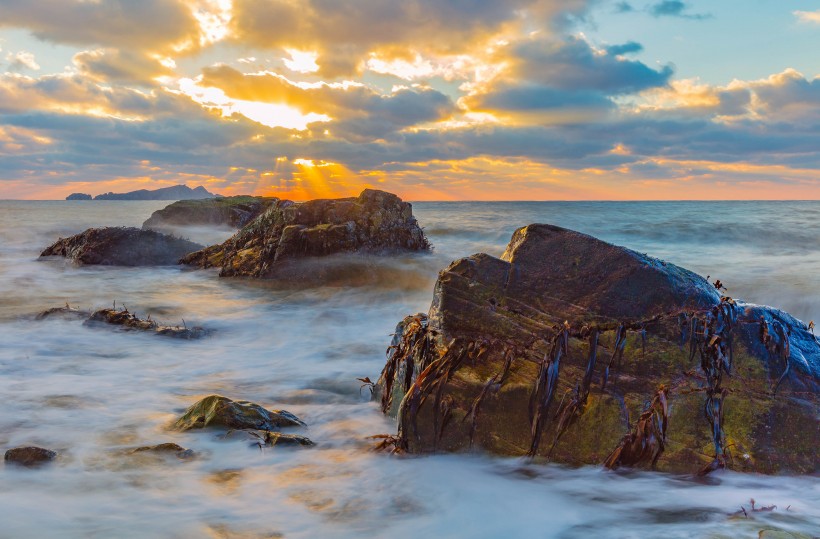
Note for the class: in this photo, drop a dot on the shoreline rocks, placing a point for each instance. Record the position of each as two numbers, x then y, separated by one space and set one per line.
580 352
374 222
121 246
234 211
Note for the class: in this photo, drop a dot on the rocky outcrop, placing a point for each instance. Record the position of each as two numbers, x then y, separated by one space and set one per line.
219 411
122 246
124 319
225 211
29 456
78 196
373 222
577 351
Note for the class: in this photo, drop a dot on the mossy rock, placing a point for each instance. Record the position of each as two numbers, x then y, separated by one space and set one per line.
219 411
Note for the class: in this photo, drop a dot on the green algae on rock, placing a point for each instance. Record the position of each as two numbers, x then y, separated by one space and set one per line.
374 222
575 350
235 211
121 246
219 411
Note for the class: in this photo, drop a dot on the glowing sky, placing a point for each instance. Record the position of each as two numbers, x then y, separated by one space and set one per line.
430 99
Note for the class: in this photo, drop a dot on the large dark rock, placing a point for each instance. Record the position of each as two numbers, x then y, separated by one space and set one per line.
582 352
78 196
122 246
29 456
374 222
228 211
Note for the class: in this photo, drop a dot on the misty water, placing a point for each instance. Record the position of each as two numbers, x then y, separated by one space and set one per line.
93 393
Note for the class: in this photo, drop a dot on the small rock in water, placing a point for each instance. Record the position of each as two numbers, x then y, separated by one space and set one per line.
219 411
167 448
30 456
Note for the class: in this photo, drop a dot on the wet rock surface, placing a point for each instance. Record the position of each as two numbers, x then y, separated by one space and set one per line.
374 222
29 456
577 351
121 246
234 211
219 411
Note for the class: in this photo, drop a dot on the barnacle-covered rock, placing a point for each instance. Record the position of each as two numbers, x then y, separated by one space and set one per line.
582 352
374 222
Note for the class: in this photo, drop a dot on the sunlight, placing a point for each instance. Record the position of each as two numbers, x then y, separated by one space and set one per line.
268 114
214 17
301 61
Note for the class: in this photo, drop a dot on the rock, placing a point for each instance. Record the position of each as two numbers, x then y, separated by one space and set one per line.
502 362
129 320
264 439
167 448
374 222
78 196
66 312
121 246
29 456
218 411
227 211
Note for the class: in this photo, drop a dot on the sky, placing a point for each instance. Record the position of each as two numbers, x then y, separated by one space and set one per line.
429 99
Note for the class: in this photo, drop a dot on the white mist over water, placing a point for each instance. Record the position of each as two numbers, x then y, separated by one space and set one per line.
93 393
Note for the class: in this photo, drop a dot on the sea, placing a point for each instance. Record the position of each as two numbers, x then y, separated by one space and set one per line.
92 394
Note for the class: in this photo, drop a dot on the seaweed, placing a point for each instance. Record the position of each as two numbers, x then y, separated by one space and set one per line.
647 442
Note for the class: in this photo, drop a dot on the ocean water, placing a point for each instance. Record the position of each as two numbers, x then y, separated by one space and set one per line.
93 393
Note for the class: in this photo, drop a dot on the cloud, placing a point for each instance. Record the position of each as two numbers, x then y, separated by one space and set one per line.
22 60
356 111
113 65
345 33
674 8
150 25
624 48
624 7
808 16
567 79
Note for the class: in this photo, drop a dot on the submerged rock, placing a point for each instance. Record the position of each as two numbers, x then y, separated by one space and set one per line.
122 246
267 439
234 211
373 222
29 456
168 448
125 319
219 411
582 352
128 320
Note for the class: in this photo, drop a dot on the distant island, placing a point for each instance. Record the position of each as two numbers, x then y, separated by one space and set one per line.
177 192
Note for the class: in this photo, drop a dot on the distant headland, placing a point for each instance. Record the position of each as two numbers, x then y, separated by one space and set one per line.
176 192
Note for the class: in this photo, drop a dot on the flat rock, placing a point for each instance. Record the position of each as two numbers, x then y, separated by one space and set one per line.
374 222
234 211
29 456
121 246
219 411
573 350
